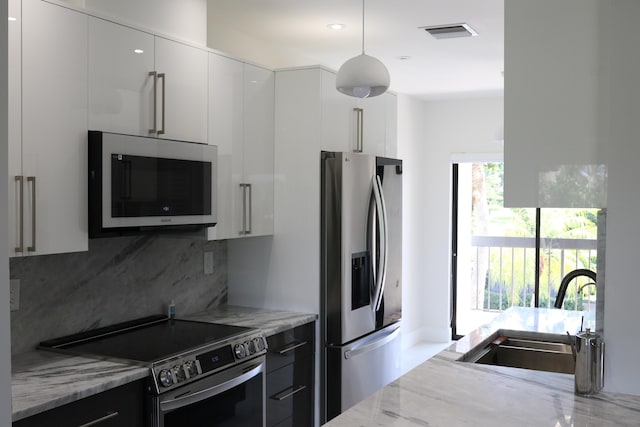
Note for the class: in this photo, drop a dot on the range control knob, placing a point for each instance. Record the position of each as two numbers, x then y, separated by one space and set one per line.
179 373
251 346
259 343
240 351
166 378
191 368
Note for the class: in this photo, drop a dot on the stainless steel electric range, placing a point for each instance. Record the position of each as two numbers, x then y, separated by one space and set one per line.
201 374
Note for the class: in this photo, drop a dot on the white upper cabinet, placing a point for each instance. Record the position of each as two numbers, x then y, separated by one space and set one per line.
120 88
225 131
258 154
145 85
182 95
553 144
354 124
15 126
53 146
241 119
379 123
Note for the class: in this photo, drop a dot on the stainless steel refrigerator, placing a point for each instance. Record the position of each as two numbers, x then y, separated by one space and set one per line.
361 277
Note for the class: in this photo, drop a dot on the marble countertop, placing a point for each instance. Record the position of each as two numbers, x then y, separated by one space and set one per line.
270 322
444 391
43 380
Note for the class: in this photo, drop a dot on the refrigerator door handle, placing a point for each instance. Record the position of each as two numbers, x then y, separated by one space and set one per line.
383 239
376 342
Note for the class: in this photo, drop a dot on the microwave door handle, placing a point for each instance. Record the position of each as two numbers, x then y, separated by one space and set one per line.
125 180
155 101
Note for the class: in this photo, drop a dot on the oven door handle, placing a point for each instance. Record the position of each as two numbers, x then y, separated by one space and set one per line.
191 398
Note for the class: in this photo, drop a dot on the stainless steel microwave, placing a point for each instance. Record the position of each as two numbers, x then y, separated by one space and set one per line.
139 184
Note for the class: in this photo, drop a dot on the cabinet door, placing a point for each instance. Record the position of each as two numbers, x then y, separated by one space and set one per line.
120 88
338 117
120 406
185 95
54 127
225 131
290 373
258 165
374 125
14 124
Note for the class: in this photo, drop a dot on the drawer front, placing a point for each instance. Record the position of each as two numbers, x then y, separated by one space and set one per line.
119 407
289 393
286 347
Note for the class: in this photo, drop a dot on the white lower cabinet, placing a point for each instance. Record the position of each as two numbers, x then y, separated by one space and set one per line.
241 108
48 151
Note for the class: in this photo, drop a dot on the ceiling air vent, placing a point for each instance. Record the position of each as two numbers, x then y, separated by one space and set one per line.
450 31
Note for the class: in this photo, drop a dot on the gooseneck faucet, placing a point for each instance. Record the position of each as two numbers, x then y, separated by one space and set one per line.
567 279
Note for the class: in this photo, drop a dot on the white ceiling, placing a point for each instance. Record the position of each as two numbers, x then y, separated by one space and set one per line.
437 68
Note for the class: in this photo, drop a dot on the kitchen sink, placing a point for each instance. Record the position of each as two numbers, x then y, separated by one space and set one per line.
526 353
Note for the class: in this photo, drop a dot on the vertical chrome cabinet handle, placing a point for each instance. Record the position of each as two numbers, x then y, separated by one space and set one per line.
20 180
163 77
155 101
359 129
244 209
248 230
32 248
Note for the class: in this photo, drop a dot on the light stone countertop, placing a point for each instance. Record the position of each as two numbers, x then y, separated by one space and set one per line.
43 380
446 392
270 322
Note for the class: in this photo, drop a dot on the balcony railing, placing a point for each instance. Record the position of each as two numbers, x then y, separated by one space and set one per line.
505 272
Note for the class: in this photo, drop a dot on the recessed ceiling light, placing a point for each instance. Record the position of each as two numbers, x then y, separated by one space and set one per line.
138 51
404 57
12 18
336 26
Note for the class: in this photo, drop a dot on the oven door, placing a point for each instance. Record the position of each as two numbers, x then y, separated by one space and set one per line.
234 397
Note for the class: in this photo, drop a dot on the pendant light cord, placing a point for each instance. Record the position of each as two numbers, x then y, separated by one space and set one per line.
363 27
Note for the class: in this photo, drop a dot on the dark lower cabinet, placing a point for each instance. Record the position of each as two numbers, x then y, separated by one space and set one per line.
122 406
290 377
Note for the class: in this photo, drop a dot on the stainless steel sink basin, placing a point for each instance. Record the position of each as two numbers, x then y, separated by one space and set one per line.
526 353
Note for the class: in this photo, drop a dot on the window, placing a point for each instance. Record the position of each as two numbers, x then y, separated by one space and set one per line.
504 257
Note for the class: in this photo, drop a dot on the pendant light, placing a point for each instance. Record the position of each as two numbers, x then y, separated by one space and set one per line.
362 76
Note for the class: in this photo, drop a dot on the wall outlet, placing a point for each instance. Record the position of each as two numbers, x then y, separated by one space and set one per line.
208 263
14 297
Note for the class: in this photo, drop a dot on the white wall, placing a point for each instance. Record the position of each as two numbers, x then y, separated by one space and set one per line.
184 19
411 149
223 37
429 134
5 321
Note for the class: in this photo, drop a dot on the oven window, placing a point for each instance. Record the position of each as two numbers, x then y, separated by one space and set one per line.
149 186
241 406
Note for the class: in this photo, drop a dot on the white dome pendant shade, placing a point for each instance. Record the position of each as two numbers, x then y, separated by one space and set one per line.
363 76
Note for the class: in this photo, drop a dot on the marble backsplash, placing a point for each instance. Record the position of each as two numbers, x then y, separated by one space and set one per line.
118 279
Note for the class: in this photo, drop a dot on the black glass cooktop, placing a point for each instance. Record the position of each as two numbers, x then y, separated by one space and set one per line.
152 341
